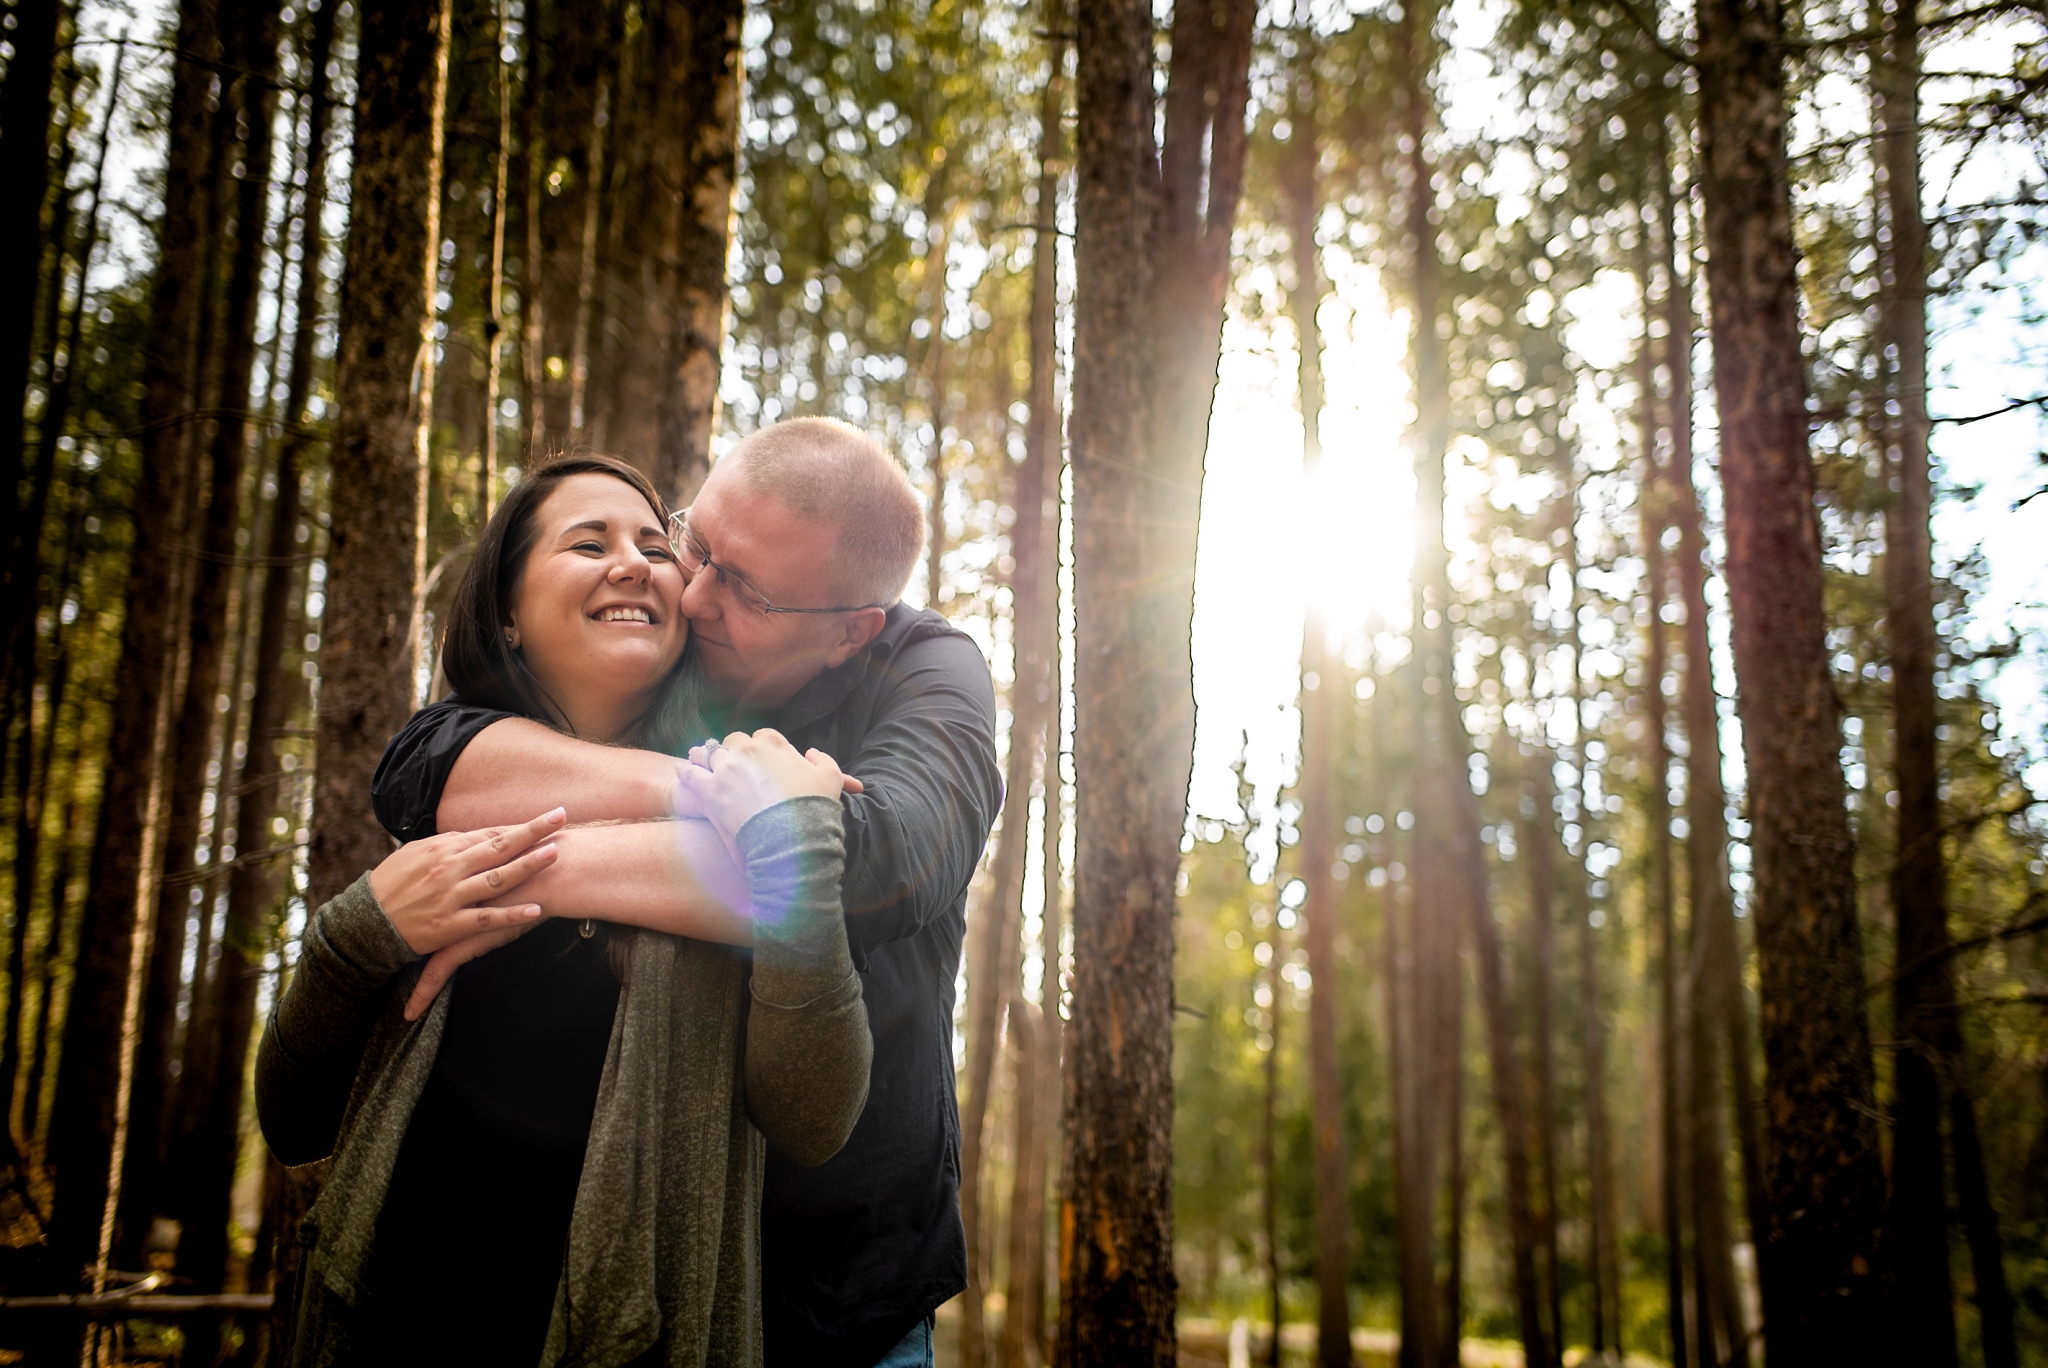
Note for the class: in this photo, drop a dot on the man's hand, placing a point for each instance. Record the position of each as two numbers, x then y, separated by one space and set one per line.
739 777
687 803
445 889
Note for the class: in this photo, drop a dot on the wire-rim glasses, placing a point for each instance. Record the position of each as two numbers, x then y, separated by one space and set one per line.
694 557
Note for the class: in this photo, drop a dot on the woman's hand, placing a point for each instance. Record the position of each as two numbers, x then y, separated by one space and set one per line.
441 966
740 776
446 888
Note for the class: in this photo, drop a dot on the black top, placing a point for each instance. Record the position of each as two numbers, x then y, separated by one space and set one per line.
862 1247
470 1243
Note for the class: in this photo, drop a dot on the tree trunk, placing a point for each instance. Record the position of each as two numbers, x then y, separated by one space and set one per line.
1823 1296
25 168
1926 1018
1718 1019
1431 917
383 388
494 326
90 1112
249 47
1269 1170
1673 1154
1319 692
24 575
1603 1249
676 241
1541 839
1503 1065
210 1144
1034 697
1051 1073
1151 253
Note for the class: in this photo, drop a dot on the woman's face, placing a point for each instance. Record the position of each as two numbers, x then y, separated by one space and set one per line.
596 609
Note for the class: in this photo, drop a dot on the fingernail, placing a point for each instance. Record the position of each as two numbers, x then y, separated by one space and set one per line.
532 912
548 850
555 817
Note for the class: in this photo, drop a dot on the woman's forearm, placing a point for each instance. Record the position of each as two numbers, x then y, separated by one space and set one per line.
515 768
676 877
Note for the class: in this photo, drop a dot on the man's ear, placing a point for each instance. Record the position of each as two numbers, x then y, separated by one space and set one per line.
857 630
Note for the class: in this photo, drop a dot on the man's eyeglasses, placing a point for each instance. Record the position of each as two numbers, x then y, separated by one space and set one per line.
694 558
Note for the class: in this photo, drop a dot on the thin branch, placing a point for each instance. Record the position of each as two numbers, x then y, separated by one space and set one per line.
2010 931
2016 404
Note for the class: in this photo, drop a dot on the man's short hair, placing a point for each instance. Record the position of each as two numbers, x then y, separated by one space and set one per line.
831 472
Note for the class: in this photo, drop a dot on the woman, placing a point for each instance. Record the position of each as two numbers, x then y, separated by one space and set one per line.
559 1160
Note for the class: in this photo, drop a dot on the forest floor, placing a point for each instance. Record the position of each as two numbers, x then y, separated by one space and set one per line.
1209 1344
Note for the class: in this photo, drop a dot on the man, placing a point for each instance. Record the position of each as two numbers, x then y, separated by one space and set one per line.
795 557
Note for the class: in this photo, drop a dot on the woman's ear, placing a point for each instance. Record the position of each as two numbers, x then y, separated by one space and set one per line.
511 636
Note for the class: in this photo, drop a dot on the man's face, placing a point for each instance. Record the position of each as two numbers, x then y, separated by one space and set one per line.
752 656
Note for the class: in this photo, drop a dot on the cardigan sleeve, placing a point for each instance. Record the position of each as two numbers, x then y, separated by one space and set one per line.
314 1041
807 1041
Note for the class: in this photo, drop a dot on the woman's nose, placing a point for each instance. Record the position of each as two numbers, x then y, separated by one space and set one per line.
632 566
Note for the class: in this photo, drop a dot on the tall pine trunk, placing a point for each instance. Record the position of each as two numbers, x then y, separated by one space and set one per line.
25 168
209 1144
1034 697
1420 1066
249 46
1823 1280
1673 1153
1718 1020
89 1113
384 379
1603 1254
678 202
1541 839
1037 1070
1319 694
1932 1062
1152 251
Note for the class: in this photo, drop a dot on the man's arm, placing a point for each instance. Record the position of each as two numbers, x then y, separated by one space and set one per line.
508 764
928 763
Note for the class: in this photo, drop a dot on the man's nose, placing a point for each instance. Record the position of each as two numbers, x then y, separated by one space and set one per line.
700 605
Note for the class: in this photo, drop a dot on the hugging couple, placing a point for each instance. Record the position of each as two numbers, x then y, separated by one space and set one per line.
663 1075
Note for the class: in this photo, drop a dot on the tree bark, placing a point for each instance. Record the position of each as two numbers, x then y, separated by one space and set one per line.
1033 700
1932 1060
1151 252
1823 1285
1269 1169
1540 836
25 168
1431 916
1318 743
90 1111
384 381
249 48
1718 1021
1673 1157
24 575
210 1143
1603 1251
676 241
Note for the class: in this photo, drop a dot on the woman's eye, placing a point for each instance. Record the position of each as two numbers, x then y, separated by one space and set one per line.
589 546
657 553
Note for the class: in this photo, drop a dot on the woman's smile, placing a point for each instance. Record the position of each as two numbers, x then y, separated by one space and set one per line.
597 614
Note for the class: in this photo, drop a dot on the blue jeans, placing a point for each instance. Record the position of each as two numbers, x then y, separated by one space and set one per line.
914 1350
